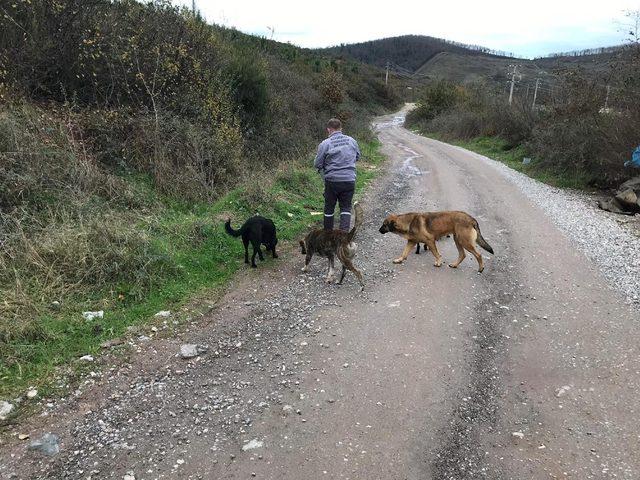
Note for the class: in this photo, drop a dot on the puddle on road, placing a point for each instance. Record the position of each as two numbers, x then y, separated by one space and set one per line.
408 168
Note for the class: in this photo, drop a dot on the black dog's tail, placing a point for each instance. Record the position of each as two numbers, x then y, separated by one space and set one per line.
480 240
358 221
231 231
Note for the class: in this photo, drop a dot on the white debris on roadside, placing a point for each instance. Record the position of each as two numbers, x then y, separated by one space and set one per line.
93 315
252 444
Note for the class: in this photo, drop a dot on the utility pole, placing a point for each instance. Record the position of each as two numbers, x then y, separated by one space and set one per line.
513 81
386 77
527 94
193 6
535 94
606 99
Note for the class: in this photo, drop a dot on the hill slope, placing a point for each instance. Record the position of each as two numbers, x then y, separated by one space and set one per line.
428 57
408 51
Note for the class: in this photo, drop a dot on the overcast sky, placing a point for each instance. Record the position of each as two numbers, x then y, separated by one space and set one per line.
528 29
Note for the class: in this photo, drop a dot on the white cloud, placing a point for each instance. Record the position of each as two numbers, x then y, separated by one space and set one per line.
529 28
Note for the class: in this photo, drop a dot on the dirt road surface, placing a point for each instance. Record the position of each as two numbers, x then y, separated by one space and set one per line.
528 371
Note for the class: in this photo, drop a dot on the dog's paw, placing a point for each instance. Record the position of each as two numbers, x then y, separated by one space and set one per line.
328 280
254 266
453 266
437 264
398 260
305 269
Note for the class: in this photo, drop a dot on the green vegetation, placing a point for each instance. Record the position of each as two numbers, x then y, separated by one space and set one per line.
499 149
128 132
571 138
165 256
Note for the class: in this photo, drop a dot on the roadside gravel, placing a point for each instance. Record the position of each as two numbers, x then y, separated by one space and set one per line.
611 241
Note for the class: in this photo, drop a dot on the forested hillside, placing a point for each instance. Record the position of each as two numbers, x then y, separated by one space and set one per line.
123 126
408 51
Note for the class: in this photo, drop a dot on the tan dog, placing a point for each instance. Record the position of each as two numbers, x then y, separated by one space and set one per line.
430 226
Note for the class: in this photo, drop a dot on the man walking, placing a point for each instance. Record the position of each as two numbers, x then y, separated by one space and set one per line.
336 161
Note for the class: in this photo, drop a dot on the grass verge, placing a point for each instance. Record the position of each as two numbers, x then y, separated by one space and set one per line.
200 259
499 149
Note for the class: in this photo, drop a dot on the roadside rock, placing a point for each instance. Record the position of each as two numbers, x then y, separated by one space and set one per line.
5 409
163 314
189 350
255 443
32 393
562 390
112 343
47 444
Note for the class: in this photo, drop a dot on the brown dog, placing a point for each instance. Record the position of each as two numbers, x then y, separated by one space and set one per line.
334 243
430 226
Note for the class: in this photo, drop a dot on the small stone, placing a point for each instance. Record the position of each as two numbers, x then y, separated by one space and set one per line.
112 343
32 393
519 435
303 344
189 350
562 390
129 476
163 313
23 436
255 443
47 444
87 358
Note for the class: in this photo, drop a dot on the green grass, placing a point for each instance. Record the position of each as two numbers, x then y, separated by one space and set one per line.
498 149
203 258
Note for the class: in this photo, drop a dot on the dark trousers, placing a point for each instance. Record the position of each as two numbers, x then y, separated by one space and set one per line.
341 192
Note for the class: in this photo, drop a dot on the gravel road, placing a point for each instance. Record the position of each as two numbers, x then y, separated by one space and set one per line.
527 371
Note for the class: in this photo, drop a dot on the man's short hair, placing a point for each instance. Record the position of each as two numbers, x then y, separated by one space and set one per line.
334 124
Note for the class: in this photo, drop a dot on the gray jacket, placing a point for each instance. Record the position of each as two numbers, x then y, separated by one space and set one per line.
337 157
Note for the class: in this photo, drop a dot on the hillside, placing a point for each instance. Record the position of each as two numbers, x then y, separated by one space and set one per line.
409 52
128 133
423 57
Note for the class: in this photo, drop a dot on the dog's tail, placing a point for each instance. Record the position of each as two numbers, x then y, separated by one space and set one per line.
358 221
231 231
480 240
303 249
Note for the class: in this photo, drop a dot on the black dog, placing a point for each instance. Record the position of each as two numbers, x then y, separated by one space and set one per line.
257 230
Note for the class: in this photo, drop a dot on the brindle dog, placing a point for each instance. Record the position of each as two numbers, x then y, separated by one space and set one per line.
334 243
